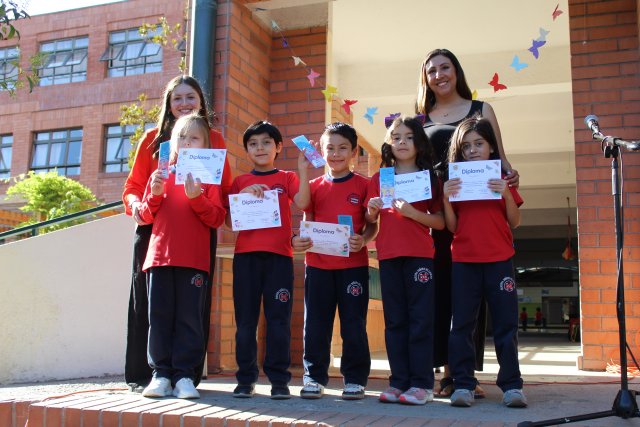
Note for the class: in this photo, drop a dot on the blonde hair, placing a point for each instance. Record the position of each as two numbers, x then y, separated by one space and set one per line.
186 124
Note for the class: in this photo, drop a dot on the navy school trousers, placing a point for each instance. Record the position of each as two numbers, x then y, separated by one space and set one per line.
268 278
470 283
348 290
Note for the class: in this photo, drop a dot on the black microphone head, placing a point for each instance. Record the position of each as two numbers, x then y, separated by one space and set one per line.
590 118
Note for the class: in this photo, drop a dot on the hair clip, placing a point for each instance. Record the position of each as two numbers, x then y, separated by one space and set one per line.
389 119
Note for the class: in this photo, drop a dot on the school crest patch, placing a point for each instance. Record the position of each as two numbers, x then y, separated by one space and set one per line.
279 188
355 289
507 284
422 275
354 199
197 280
283 295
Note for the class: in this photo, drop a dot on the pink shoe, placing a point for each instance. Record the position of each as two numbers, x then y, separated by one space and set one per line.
390 395
416 396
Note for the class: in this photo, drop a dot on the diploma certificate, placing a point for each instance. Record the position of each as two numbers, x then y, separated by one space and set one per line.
328 238
413 187
475 176
249 212
204 163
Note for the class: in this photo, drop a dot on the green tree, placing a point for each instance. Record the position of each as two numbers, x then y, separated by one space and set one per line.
11 11
49 195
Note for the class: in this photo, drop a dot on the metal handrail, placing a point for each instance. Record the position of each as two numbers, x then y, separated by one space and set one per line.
33 228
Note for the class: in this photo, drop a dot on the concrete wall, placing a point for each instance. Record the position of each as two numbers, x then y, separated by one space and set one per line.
64 302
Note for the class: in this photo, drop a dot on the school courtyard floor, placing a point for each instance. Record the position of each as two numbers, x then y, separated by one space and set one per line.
553 385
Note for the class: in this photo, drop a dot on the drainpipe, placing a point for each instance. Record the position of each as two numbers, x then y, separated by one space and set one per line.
203 36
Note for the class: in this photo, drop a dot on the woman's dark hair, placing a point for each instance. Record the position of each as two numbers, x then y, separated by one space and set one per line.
424 150
262 126
478 124
426 98
166 119
344 130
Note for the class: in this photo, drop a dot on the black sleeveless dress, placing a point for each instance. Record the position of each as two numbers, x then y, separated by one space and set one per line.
439 135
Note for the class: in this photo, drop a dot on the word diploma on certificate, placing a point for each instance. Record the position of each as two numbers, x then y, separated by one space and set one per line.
475 177
249 212
413 187
327 238
204 163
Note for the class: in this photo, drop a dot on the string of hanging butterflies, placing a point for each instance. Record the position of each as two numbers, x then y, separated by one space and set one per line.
519 65
331 92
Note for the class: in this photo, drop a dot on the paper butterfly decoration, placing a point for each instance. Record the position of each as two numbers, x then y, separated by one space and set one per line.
517 65
346 106
534 47
556 12
474 95
389 119
312 76
370 113
284 42
329 92
297 61
274 25
543 35
496 85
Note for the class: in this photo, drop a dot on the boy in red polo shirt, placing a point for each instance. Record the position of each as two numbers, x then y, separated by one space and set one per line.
332 281
263 267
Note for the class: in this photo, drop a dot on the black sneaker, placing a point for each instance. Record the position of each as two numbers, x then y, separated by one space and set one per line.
280 392
244 391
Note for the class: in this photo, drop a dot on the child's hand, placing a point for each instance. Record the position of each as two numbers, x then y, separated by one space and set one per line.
356 242
303 163
256 189
374 206
498 186
404 207
301 244
157 183
192 188
452 187
513 178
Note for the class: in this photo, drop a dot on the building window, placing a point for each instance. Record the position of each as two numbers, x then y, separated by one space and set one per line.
59 149
9 67
117 147
65 61
6 141
129 53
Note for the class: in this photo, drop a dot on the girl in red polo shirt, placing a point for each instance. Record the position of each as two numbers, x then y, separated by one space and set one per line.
405 252
178 266
482 252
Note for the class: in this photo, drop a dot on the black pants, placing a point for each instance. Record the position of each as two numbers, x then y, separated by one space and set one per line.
348 290
407 287
137 371
494 281
266 277
176 301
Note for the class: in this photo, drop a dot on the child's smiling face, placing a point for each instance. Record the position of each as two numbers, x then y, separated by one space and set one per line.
337 152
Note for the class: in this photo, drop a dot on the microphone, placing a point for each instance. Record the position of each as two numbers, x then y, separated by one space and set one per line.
592 123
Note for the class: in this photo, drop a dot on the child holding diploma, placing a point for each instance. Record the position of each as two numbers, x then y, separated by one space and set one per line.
482 252
333 281
177 264
263 267
405 252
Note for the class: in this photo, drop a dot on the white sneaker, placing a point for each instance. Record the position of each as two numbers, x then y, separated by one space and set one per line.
185 389
158 387
514 398
312 390
353 392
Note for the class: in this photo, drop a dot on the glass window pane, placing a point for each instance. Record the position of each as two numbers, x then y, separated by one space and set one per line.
46 81
134 34
73 171
151 49
114 167
47 47
138 69
56 155
116 72
112 149
75 133
75 151
154 68
124 150
39 155
59 135
132 51
5 158
81 42
79 77
64 44
117 37
62 79
42 136
113 130
77 57
6 139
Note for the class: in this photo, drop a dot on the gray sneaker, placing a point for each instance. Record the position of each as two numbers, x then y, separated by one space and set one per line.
312 390
462 398
514 398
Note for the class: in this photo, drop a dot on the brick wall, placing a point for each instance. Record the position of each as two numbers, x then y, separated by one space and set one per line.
255 78
90 104
604 49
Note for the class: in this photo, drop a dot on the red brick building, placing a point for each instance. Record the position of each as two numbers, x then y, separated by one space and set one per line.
254 77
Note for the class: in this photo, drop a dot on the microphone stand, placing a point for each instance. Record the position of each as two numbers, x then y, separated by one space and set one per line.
624 405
